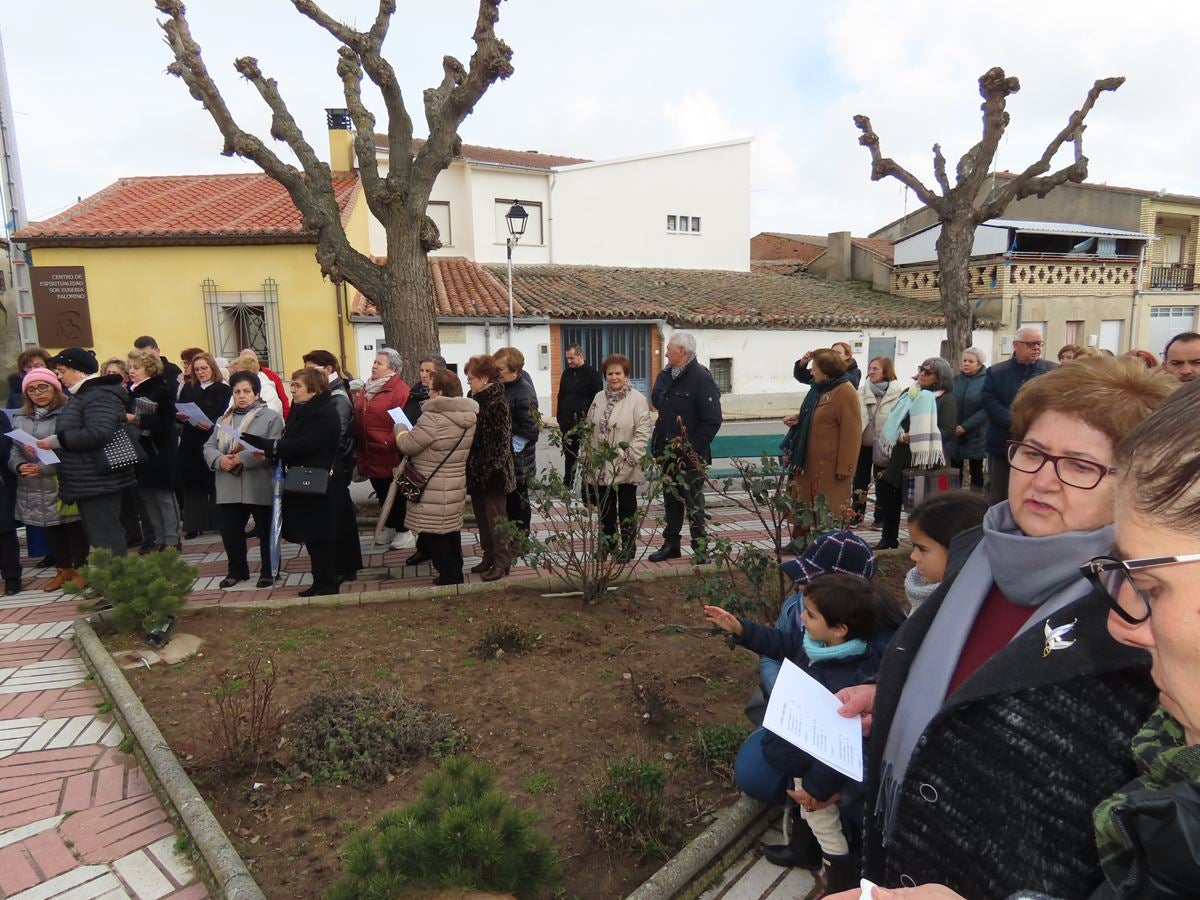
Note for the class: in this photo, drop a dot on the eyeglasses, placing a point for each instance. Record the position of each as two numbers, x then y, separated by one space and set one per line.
42 388
1071 470
924 371
1031 343
1114 576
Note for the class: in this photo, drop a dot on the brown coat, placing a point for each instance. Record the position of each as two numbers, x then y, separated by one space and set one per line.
443 421
832 449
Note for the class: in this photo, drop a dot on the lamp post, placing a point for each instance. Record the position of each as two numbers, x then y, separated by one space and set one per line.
516 218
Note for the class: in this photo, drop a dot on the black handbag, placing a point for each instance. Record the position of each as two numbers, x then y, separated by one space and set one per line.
412 483
307 481
122 450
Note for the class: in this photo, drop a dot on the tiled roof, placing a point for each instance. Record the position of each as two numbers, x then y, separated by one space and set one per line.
498 156
777 245
167 209
681 297
879 246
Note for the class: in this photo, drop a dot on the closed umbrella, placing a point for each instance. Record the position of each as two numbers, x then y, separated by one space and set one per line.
277 518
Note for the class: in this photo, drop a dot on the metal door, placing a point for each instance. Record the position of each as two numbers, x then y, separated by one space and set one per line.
879 346
598 341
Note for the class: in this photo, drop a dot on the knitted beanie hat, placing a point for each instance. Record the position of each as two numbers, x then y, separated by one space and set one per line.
39 374
834 551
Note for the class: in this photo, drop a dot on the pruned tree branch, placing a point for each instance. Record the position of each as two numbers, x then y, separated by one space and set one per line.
883 166
939 169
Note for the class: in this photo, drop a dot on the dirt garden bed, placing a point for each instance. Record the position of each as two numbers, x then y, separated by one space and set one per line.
636 676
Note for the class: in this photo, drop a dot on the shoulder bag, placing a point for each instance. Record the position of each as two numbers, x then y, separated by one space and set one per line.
123 451
411 483
307 481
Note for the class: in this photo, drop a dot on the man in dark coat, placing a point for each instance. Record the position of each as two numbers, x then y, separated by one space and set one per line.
171 372
1004 379
522 406
94 412
577 387
689 415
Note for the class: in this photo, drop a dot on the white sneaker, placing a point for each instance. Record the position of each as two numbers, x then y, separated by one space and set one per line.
386 536
404 540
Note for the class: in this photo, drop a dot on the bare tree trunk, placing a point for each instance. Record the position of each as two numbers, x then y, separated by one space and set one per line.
954 256
409 312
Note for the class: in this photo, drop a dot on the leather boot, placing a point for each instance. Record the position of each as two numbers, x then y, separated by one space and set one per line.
667 551
841 873
61 577
801 852
484 565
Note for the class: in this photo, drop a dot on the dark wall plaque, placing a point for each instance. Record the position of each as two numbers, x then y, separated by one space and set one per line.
60 304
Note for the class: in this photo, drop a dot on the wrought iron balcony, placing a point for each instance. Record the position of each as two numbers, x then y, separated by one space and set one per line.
1176 277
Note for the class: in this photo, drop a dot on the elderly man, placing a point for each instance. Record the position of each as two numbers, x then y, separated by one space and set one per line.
1181 357
689 415
577 388
1000 386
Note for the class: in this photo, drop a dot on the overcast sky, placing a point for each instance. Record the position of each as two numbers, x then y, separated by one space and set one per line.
599 80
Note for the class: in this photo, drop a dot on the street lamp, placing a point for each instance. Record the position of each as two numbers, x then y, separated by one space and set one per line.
517 219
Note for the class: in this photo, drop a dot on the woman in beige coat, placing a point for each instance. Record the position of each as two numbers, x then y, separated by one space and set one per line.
822 446
438 447
619 415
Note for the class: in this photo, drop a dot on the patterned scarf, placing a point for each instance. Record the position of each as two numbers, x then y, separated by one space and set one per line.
924 439
224 442
375 385
1162 759
611 399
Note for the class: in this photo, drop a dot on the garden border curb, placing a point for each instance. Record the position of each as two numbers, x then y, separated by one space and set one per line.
725 839
221 867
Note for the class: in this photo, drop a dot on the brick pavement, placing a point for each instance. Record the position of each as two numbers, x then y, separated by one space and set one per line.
78 818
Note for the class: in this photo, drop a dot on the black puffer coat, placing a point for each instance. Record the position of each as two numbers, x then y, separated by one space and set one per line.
158 435
213 401
523 404
92 415
490 463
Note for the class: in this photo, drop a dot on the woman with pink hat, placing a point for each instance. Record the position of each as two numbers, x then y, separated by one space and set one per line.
37 501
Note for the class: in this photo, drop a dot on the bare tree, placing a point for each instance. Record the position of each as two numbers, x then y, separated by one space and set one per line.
963 207
402 287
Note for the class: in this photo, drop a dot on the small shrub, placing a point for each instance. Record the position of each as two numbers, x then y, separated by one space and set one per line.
243 721
541 783
354 735
144 591
462 834
504 637
716 746
626 810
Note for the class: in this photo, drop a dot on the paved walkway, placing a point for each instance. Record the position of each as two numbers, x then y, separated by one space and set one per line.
78 819
751 877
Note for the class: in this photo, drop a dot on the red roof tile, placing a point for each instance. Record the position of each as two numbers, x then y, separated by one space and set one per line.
188 209
498 156
681 297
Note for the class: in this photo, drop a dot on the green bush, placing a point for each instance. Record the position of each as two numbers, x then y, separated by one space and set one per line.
354 735
716 746
461 834
626 810
144 591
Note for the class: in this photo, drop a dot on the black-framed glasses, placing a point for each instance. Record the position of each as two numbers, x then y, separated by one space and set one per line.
1031 343
1114 578
1071 470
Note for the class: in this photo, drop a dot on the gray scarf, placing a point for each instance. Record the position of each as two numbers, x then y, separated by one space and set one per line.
878 388
1041 573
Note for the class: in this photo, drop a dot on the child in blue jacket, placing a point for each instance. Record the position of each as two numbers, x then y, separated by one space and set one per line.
839 617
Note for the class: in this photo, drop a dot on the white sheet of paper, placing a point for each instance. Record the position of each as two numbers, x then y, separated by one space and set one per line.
194 413
229 432
805 714
400 418
46 457
519 443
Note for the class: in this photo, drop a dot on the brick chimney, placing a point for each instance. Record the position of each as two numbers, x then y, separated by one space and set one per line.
341 140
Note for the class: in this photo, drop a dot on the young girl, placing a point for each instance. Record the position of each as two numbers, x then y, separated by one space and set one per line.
839 616
931 527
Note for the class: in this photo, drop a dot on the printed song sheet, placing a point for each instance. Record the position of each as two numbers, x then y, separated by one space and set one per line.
195 415
400 418
804 713
45 457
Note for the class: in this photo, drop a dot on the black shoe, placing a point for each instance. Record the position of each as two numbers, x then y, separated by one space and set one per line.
143 549
12 587
229 581
191 534
803 852
417 558
47 563
484 565
665 552
315 591
841 873
887 544
266 582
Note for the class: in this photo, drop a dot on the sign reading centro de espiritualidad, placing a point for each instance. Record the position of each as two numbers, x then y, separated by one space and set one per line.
60 304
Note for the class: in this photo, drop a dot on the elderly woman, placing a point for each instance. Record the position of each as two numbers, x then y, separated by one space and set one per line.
267 390
310 439
242 478
154 415
375 449
205 386
821 448
919 434
620 416
419 390
438 447
37 482
876 397
522 406
490 475
971 430
1004 709
804 375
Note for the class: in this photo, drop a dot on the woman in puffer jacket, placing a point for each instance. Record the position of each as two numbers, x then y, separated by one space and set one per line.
37 500
619 415
438 447
375 453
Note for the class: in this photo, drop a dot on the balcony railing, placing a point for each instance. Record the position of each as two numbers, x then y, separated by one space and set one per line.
1175 277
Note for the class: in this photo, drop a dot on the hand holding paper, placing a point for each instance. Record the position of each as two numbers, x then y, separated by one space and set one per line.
193 413
400 418
45 457
805 714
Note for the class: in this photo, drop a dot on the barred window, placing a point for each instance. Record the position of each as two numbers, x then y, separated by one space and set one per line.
722 373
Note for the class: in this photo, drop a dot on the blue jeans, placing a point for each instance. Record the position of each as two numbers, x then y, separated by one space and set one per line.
757 777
